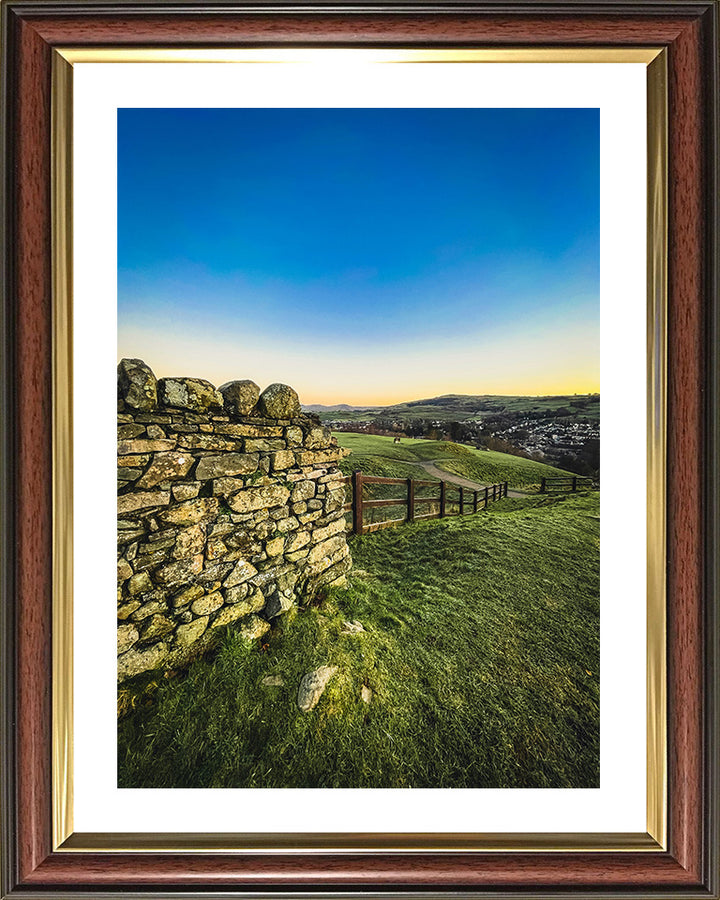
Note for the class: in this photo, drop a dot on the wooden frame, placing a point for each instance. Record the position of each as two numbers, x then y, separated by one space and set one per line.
688 29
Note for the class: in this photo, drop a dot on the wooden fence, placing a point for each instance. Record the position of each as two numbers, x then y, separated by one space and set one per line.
562 484
467 501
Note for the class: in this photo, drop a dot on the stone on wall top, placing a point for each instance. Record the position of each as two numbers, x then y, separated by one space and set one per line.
139 389
189 393
278 401
240 397
137 385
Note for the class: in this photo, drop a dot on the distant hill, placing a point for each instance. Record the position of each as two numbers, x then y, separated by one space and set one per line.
339 407
466 407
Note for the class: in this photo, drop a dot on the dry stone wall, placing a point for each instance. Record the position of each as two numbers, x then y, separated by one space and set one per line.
230 510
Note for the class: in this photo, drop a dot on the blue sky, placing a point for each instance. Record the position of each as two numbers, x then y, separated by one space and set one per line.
437 250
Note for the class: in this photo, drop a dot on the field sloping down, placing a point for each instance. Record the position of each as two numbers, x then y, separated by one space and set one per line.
379 455
477 666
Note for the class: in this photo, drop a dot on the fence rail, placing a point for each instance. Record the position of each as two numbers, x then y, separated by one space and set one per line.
467 501
565 484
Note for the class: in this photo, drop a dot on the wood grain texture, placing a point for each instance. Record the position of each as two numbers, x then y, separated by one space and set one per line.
686 371
33 486
680 869
358 29
539 871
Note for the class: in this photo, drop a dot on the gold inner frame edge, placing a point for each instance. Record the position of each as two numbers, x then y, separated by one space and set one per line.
64 838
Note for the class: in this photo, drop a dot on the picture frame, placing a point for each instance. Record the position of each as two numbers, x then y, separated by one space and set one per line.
41 857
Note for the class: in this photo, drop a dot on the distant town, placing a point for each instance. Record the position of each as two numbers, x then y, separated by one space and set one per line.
562 431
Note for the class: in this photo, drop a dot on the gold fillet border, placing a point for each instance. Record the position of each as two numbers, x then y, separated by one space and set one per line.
62 449
64 837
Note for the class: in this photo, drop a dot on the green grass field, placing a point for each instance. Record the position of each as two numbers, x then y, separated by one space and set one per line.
377 455
481 649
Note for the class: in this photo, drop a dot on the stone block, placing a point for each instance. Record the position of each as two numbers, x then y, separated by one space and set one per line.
192 512
317 457
127 635
137 386
166 466
318 438
135 661
190 541
243 571
226 465
282 459
216 572
275 546
189 393
322 534
297 541
264 445
142 445
244 430
293 436
263 497
127 432
181 571
126 610
128 503
206 442
188 634
253 603
139 584
185 491
297 555
187 595
156 626
240 397
215 549
137 460
303 490
209 604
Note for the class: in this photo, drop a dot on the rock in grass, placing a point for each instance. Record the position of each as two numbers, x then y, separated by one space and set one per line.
272 681
353 627
312 686
365 694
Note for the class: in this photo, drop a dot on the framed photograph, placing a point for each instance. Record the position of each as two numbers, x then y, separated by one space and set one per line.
314 314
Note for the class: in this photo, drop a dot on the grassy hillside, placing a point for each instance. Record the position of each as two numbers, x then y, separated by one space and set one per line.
489 466
376 455
480 647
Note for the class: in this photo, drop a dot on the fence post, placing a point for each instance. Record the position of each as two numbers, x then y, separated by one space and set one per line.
494 487
462 503
357 483
486 497
505 493
542 486
442 499
574 487
410 500
475 501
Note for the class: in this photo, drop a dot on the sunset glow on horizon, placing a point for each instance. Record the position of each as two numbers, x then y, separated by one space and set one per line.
363 256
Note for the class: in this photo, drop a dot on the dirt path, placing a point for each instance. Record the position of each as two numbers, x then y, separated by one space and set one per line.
432 469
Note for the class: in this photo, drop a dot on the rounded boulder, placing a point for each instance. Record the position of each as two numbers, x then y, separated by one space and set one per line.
279 401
